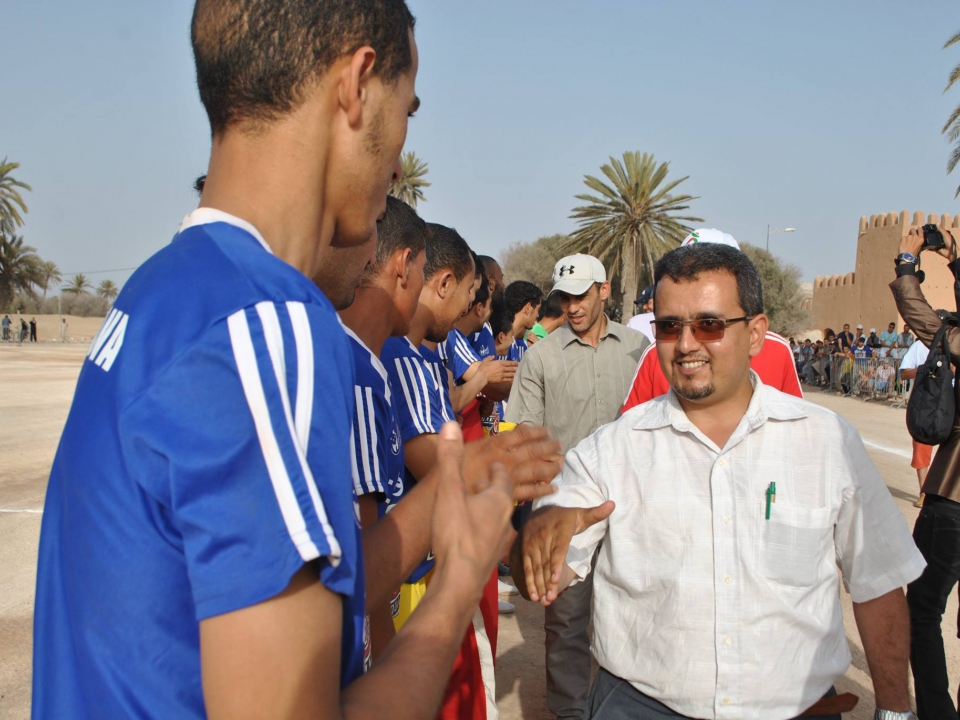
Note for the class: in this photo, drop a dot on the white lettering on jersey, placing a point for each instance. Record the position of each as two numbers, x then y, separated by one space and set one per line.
109 323
110 348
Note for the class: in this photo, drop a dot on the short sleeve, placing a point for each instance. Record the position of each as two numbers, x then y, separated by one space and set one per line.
414 389
460 353
371 434
578 486
527 395
228 441
875 550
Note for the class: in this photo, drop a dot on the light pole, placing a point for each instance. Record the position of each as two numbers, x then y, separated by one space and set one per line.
776 230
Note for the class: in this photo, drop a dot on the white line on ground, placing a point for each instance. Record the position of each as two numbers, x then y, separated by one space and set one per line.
21 510
893 451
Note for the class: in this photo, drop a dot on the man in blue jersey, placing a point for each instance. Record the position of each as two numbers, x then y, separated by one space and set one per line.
200 552
482 340
522 300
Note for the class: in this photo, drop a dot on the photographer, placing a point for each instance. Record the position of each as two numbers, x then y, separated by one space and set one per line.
937 532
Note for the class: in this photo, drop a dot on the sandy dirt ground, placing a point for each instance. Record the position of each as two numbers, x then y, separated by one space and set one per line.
36 387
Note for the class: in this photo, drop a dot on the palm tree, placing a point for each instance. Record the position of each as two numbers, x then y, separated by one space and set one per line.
952 127
108 290
11 202
78 285
19 268
51 276
409 186
630 223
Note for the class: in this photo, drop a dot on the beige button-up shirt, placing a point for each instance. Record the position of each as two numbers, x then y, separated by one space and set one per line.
699 600
572 387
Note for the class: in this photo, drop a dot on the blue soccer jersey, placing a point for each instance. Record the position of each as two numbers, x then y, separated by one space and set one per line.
204 462
378 449
517 349
457 354
483 343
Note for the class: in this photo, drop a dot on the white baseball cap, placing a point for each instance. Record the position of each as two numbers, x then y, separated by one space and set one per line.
710 235
873 330
859 327
575 274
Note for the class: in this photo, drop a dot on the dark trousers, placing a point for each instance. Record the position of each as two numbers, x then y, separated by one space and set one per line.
568 650
937 535
616 699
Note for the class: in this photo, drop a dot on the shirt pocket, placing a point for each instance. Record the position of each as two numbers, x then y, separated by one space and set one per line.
794 543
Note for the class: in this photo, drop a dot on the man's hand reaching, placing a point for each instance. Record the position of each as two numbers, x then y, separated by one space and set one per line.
543 543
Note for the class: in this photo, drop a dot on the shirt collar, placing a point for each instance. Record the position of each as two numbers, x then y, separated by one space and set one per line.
567 335
207 215
766 404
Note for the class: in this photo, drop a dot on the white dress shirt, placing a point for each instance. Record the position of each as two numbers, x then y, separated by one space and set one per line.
699 601
643 323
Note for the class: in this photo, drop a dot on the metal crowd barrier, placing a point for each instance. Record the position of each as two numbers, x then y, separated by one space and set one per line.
872 378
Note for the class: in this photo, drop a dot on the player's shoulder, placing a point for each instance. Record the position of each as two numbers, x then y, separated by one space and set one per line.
370 370
777 341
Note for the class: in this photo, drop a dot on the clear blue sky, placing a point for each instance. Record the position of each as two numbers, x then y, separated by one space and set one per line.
793 114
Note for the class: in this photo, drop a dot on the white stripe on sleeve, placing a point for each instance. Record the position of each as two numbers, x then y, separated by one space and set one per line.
246 360
365 446
374 442
406 384
304 340
274 338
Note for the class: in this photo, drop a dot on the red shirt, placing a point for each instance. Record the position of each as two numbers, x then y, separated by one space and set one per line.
774 365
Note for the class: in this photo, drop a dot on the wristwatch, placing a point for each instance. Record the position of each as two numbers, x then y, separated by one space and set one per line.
891 715
905 257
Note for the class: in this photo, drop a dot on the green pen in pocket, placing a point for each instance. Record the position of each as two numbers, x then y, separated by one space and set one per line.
771 497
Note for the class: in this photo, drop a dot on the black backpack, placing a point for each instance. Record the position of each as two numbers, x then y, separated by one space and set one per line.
932 409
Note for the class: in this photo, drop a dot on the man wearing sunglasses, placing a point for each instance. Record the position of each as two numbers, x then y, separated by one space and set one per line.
721 512
774 363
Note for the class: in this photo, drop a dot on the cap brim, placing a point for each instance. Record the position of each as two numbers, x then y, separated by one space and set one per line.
572 287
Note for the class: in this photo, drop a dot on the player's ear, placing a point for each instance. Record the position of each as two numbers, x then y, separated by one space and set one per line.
446 284
403 265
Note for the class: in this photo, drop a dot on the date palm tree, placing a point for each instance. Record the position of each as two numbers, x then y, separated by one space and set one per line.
19 268
51 276
11 201
632 221
409 186
78 285
108 290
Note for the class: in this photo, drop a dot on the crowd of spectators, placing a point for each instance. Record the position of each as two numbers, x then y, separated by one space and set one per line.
854 360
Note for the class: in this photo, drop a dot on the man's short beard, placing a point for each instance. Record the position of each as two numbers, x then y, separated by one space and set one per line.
435 334
701 393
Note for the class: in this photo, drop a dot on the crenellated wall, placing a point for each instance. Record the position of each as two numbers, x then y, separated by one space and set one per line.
864 296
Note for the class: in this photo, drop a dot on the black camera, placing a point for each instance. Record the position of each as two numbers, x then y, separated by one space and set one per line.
932 238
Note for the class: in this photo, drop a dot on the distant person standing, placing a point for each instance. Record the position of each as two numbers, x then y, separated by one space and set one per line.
63 330
24 330
573 382
642 322
33 329
5 324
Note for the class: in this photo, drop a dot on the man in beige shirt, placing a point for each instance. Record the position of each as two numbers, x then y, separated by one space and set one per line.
573 381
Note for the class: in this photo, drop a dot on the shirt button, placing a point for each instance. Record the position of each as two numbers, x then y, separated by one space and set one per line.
726 701
727 579
720 462
727 641
726 519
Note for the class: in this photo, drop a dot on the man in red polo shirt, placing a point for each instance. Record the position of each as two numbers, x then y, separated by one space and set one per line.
774 364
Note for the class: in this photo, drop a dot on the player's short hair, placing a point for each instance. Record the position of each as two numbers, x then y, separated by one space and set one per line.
518 294
483 292
400 228
256 59
551 307
500 321
446 250
688 262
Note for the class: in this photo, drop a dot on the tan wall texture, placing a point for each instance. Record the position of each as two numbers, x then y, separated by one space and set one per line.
864 296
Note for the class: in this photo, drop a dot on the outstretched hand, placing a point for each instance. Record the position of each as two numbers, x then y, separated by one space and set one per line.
529 454
470 531
545 540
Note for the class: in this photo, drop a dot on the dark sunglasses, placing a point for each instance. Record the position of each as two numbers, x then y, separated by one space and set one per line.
704 329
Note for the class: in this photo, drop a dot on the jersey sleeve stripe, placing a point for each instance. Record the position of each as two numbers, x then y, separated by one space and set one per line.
465 352
374 442
250 380
274 340
304 341
406 384
362 448
425 390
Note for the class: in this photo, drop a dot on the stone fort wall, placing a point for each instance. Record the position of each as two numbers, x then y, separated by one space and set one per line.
863 296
